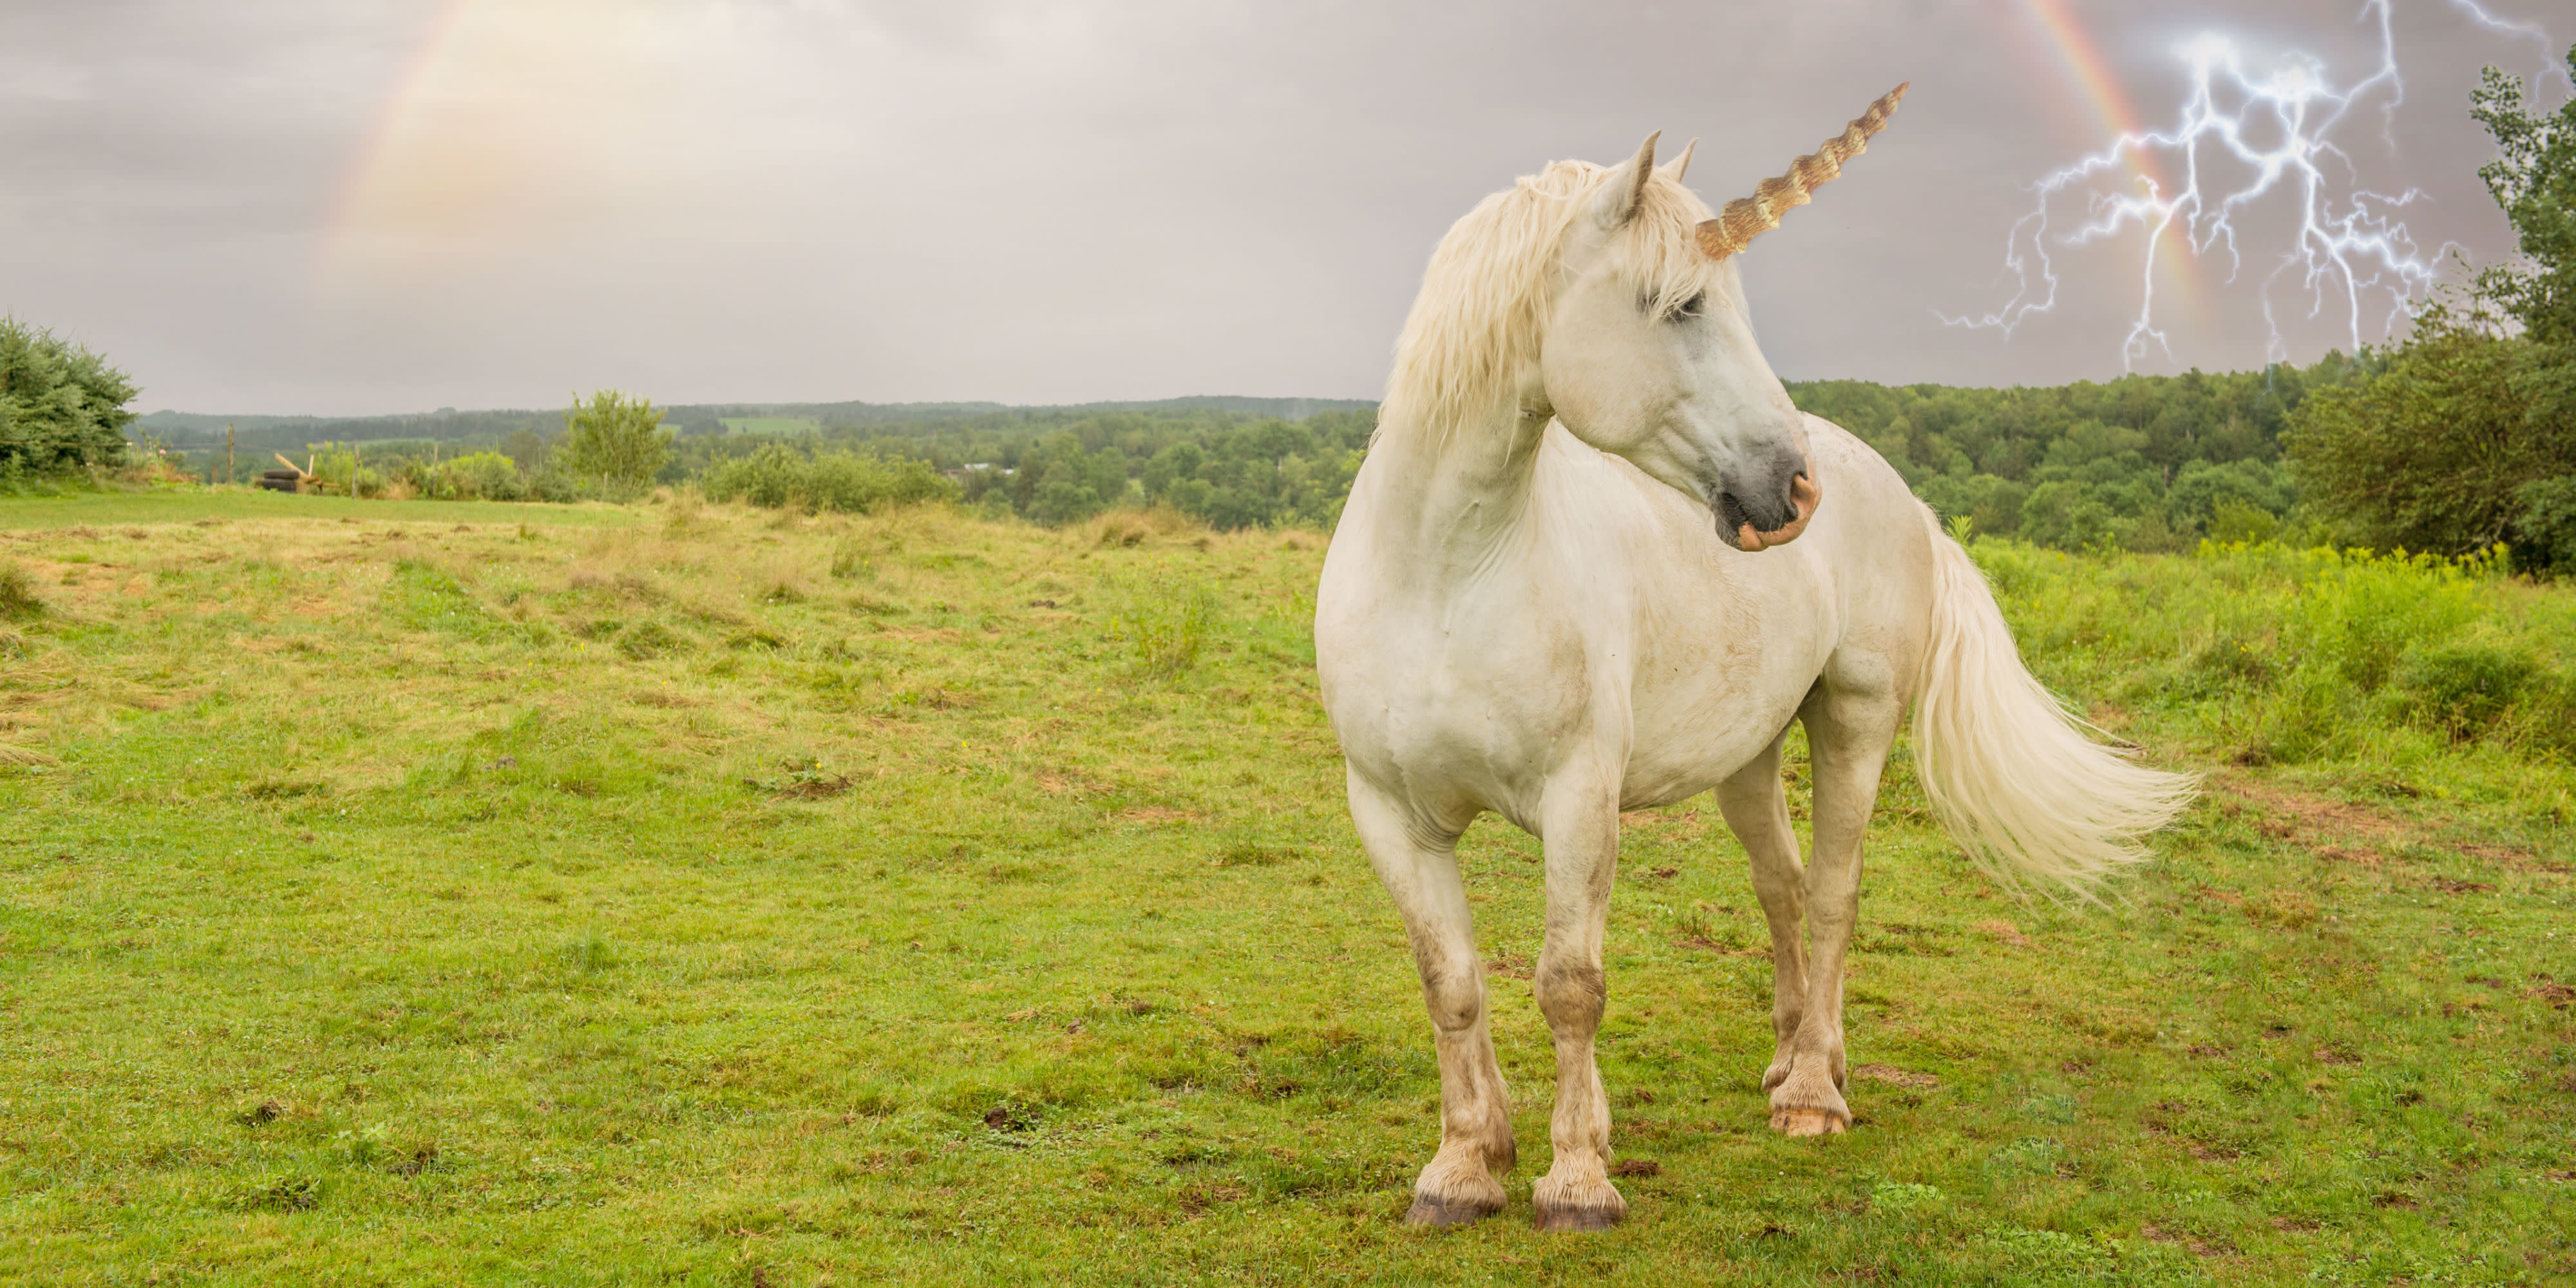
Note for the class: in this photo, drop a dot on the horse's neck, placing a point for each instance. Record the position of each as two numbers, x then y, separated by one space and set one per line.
1446 501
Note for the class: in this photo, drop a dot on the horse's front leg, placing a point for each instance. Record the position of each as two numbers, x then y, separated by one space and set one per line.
1848 735
1579 829
1420 869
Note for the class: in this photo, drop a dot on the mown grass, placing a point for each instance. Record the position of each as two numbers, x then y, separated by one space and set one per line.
686 895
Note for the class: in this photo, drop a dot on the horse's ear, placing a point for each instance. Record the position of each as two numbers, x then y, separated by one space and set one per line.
1626 185
1681 164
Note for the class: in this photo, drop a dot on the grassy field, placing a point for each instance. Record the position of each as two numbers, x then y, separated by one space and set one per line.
443 893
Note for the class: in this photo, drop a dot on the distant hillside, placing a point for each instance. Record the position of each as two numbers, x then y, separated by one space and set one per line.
447 425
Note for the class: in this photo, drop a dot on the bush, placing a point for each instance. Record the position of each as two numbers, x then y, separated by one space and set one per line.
2547 526
779 477
2464 689
483 476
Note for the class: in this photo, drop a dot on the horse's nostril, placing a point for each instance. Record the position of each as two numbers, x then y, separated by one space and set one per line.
1731 514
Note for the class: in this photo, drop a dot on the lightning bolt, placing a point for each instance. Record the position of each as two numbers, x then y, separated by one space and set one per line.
2349 243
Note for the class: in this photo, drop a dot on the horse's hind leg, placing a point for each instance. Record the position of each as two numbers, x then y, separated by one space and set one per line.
1421 872
1758 811
1579 829
1851 723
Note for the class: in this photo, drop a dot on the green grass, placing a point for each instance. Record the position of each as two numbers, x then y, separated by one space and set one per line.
191 504
511 894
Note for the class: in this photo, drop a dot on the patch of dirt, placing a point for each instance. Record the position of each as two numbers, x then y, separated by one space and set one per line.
1637 1167
2198 1246
2291 816
2557 995
2448 885
815 788
1707 944
1510 965
2350 832
1895 1077
2005 931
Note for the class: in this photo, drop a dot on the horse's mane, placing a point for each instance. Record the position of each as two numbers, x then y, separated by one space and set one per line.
1492 283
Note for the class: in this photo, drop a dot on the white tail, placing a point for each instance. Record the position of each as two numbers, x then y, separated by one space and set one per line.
2008 767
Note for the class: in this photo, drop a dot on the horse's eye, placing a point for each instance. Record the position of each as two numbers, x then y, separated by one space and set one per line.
1691 307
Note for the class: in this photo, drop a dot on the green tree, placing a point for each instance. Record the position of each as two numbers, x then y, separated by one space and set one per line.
2429 452
614 438
2534 179
2458 440
61 405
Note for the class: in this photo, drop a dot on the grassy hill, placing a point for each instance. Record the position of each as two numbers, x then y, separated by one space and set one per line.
404 892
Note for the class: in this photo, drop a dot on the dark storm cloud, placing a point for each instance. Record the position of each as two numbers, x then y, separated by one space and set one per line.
1043 202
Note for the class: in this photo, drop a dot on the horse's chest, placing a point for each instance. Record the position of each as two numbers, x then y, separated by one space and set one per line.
1465 693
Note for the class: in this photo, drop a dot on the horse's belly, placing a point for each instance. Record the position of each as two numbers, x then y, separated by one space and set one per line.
1698 715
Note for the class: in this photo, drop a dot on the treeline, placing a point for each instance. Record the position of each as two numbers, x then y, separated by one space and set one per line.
2140 463
1228 468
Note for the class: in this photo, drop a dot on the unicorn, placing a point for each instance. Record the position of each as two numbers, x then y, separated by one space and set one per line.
1590 565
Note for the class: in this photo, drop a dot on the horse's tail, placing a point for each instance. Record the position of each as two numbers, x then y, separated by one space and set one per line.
2008 767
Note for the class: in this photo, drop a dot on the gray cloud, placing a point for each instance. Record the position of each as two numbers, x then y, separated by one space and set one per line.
1031 201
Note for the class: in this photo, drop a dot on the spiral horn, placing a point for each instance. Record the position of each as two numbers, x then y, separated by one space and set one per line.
1747 217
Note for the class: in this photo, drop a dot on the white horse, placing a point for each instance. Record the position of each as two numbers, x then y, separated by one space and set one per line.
1527 609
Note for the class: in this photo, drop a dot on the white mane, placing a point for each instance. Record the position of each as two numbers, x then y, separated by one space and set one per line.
1492 283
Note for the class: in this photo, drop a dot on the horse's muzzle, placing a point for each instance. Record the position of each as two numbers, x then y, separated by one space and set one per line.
1735 520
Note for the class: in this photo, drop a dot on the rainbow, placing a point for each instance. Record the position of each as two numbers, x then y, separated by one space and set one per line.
488 128
2081 57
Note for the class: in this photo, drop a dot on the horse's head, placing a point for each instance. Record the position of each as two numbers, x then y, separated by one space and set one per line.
1648 352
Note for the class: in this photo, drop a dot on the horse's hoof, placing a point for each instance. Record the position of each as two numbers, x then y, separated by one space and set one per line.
1808 1122
1577 1220
1574 1209
1432 1211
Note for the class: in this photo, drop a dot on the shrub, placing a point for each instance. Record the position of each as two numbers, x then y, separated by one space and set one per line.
2464 689
2547 525
2237 522
2361 613
485 476
779 477
1166 634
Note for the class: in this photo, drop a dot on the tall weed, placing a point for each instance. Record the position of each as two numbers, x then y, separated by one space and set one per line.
18 600
1165 634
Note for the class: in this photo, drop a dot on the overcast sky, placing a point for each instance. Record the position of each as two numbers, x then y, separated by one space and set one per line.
393 205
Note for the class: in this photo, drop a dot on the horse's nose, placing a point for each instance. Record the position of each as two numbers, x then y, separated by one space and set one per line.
1773 511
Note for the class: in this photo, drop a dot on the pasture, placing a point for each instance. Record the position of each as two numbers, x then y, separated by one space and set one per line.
438 892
